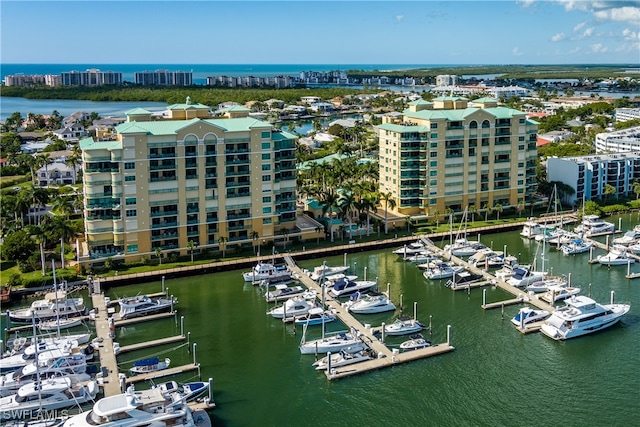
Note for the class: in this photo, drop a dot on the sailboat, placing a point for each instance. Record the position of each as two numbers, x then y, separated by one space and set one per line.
461 246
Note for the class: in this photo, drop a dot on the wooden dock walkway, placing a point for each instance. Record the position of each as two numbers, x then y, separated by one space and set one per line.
111 381
385 356
153 343
140 319
163 373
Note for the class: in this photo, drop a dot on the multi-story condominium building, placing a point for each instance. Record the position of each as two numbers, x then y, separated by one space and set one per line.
52 79
619 141
626 114
446 80
90 77
447 155
24 80
164 78
219 183
588 175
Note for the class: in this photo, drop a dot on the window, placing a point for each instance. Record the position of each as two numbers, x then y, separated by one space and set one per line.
521 147
521 138
434 126
433 154
266 167
129 178
434 135
266 220
266 146
266 199
433 173
266 156
433 145
131 213
486 124
130 201
265 134
473 125
266 210
129 165
132 248
433 164
266 178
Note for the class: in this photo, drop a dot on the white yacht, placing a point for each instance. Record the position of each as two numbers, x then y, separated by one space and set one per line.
315 316
334 342
324 271
628 238
370 304
463 247
544 284
582 315
592 225
442 271
47 351
296 306
265 271
403 326
410 249
523 276
53 393
508 268
417 341
346 287
527 316
53 305
531 228
559 293
159 406
342 358
143 305
617 256
576 246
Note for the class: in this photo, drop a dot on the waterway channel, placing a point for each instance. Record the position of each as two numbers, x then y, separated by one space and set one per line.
495 377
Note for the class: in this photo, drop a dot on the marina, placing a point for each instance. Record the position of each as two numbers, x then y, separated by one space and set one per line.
248 352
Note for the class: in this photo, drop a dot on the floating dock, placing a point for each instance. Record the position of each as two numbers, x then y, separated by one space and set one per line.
386 357
153 343
111 380
163 373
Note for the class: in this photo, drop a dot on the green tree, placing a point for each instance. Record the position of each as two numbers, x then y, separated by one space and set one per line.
255 236
636 189
222 241
18 246
498 208
609 190
191 246
158 252
389 202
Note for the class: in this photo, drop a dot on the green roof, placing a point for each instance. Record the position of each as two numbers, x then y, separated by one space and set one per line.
137 111
503 112
188 106
459 115
485 99
279 136
90 144
171 127
236 108
420 102
450 98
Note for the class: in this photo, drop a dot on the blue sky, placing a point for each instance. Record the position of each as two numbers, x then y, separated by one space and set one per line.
325 32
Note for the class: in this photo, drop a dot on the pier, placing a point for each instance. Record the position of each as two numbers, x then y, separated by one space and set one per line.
385 356
110 374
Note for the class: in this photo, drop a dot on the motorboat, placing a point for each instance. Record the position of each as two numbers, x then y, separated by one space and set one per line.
634 249
416 342
530 228
74 366
55 324
55 304
463 247
370 304
403 326
342 358
53 393
617 256
562 239
495 261
281 292
524 276
346 287
293 307
187 391
592 225
422 257
548 232
527 315
559 293
576 246
580 316
430 264
463 278
46 351
410 249
315 316
149 365
628 238
442 271
324 270
544 284
479 259
509 264
158 406
143 305
334 342
266 271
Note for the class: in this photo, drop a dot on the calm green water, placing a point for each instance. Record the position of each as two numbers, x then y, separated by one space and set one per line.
495 377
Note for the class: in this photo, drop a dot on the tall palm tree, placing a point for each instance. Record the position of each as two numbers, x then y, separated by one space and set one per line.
74 160
285 233
223 244
39 234
159 254
389 202
472 210
255 236
329 203
64 205
498 208
191 246
319 230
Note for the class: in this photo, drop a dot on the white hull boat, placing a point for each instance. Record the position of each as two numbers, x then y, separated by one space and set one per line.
523 277
342 358
527 316
324 271
416 342
54 325
334 342
143 305
629 238
292 307
371 304
557 293
410 249
315 316
266 271
442 271
55 304
582 315
576 246
403 326
149 365
617 256
544 285
530 229
347 287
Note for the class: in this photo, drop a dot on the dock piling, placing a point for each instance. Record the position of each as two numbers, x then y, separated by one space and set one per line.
430 327
383 333
449 335
182 325
189 342
195 346
502 315
163 288
484 297
613 293
415 311
328 361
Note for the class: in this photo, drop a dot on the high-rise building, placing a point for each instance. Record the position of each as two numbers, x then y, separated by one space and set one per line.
218 183
164 78
447 155
90 77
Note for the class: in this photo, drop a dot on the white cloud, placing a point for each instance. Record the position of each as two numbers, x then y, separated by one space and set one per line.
624 14
606 10
598 48
630 35
586 33
399 18
579 26
526 3
574 50
557 37
516 51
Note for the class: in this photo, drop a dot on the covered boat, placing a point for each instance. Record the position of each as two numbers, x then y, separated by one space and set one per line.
150 365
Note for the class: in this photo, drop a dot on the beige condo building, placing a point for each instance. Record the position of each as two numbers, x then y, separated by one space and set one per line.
447 154
187 182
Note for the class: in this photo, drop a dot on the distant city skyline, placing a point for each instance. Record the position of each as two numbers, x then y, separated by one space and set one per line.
312 32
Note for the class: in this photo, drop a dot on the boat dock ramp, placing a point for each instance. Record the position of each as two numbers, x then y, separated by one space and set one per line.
385 356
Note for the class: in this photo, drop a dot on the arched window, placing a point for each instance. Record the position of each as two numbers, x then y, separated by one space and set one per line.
485 124
473 125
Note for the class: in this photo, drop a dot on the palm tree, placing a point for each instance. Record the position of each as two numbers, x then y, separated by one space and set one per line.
223 243
63 205
58 227
74 160
285 233
39 235
498 208
191 246
487 210
329 203
389 202
520 207
436 214
472 210
255 236
636 188
159 255
319 230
